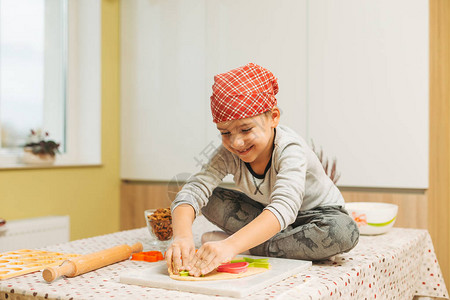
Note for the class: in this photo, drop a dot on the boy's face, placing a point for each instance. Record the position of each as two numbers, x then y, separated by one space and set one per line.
251 138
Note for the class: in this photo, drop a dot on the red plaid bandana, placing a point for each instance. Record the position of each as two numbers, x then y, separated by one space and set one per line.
243 92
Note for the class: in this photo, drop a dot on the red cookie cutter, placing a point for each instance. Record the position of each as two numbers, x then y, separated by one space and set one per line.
150 256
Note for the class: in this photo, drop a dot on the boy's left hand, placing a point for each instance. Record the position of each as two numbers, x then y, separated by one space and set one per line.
210 256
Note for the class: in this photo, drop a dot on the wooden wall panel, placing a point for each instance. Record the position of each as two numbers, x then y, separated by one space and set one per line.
136 197
139 196
412 205
439 187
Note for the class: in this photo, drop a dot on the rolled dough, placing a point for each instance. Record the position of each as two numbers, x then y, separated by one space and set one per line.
214 275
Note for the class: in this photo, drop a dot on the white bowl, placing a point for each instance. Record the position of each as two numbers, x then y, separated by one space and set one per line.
372 217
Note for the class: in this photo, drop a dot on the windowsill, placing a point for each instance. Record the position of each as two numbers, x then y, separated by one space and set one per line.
56 165
13 161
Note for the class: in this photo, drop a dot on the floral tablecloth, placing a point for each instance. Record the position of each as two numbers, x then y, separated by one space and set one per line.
397 265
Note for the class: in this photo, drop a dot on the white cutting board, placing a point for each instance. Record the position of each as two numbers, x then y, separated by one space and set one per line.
156 276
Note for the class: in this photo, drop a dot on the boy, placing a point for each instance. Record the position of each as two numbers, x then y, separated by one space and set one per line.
288 206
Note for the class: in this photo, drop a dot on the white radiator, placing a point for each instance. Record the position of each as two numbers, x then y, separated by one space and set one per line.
34 233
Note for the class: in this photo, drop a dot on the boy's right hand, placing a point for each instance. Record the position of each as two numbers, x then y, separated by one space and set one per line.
180 254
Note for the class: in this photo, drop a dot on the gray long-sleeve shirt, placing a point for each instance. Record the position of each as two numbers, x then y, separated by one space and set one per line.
295 179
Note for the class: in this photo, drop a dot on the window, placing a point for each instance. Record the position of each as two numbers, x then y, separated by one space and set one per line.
33 52
50 77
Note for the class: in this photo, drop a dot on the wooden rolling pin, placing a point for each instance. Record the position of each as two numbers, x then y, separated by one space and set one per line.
85 263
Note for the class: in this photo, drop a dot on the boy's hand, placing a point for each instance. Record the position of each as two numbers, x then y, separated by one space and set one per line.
180 254
210 256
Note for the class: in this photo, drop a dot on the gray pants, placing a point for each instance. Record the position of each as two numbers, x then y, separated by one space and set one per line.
316 234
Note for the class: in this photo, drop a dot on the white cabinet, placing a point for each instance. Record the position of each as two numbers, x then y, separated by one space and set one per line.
271 33
163 112
353 76
368 89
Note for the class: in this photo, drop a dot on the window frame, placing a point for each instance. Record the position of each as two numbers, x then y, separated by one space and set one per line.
83 91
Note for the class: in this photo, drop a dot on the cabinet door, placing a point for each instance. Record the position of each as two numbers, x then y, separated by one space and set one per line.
368 89
271 33
162 87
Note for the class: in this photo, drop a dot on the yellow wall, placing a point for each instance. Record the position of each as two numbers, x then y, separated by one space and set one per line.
90 195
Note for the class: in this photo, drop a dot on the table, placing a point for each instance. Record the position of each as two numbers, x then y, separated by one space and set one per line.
397 265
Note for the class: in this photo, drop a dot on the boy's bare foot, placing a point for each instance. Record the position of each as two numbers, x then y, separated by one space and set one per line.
214 236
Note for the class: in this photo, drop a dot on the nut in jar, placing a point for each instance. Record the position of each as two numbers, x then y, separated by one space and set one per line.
160 223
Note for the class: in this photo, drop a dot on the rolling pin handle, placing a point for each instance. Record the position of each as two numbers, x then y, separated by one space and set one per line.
66 268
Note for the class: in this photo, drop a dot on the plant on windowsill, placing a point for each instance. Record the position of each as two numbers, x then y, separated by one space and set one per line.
39 150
